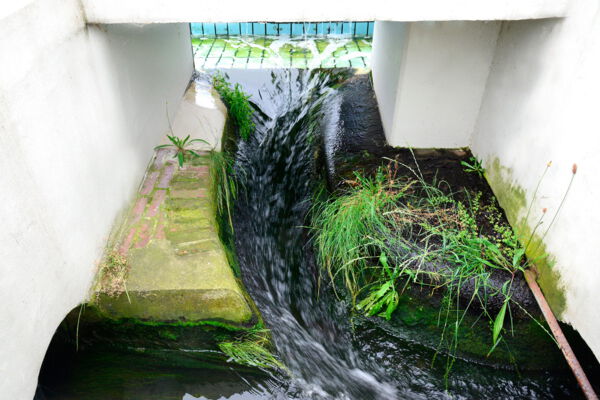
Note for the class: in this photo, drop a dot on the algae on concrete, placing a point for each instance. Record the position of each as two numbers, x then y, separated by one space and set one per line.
178 267
513 200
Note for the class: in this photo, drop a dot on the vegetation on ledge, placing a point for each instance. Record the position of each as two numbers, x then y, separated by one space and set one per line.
237 103
379 236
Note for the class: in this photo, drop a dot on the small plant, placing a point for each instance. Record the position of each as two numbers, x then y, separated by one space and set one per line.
473 166
182 147
237 103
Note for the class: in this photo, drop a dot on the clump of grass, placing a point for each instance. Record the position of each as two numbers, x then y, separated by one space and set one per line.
347 226
252 349
237 103
223 185
113 274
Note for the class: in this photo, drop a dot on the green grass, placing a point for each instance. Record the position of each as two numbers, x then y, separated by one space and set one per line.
223 185
383 234
237 103
252 349
348 227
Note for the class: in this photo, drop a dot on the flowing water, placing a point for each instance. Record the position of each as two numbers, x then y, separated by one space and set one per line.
275 258
327 356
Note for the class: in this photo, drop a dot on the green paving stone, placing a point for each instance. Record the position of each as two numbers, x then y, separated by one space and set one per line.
188 182
255 52
351 46
240 53
228 52
321 44
177 234
243 52
202 51
340 52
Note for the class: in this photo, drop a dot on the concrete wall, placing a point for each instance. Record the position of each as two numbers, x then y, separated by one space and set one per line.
541 105
389 46
80 110
150 11
429 79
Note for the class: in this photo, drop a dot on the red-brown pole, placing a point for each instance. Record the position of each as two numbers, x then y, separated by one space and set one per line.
564 346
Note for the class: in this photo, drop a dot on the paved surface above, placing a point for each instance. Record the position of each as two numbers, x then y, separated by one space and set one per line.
253 52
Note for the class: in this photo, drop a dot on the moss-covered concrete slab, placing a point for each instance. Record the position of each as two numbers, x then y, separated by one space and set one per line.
177 267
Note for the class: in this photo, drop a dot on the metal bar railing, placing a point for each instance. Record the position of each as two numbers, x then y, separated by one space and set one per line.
351 29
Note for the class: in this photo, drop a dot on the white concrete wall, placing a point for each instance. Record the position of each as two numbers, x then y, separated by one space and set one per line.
80 111
389 46
202 115
542 104
149 11
429 79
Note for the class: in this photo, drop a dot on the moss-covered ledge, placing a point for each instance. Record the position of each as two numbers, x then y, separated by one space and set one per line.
174 266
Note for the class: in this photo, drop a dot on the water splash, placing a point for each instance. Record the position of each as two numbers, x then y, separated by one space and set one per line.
310 333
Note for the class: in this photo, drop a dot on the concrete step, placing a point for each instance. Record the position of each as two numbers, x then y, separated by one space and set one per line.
177 267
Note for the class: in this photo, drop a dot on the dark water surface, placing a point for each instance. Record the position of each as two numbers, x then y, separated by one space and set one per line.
326 356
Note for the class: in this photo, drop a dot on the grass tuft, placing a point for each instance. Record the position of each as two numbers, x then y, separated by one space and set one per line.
253 350
223 185
237 103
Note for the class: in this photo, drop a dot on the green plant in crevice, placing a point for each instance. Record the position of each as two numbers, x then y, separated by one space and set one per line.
182 147
252 349
237 103
473 166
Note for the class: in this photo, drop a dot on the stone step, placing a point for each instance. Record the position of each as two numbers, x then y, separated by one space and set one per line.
178 269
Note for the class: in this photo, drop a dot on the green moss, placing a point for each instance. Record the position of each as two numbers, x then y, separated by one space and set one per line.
181 204
188 216
194 305
418 319
189 235
513 200
187 324
167 334
511 197
186 181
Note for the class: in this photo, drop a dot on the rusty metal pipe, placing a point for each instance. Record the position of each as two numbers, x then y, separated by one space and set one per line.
564 346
